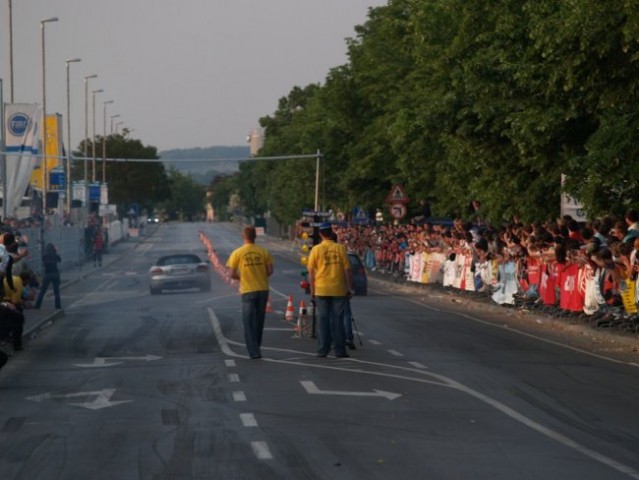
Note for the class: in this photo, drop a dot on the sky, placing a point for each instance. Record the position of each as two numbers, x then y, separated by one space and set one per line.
181 73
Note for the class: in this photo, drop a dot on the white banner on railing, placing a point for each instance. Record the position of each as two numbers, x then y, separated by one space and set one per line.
21 145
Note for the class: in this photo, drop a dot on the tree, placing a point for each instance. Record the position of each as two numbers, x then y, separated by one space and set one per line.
144 183
187 197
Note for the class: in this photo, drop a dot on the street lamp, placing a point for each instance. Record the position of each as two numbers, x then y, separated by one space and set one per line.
11 51
112 117
105 103
86 128
93 141
44 115
69 62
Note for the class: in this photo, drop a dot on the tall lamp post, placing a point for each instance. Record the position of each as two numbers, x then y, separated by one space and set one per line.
11 51
86 128
112 117
105 103
43 22
69 62
93 141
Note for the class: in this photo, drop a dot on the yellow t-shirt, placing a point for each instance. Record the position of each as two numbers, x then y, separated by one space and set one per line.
251 263
327 263
14 296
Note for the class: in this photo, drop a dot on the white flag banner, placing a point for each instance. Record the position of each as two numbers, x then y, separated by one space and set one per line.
22 122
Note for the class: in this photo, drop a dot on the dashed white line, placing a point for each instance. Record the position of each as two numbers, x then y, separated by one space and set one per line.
417 365
239 396
229 362
261 450
234 377
374 342
248 419
396 353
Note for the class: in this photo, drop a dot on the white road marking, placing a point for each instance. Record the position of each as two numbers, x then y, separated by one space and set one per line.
261 450
229 362
417 365
234 378
213 299
374 342
312 389
102 361
102 398
438 380
248 419
521 332
396 353
239 396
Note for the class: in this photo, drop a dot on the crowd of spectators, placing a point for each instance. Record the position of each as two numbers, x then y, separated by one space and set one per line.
583 269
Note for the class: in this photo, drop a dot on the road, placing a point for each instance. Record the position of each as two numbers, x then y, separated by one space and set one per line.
133 386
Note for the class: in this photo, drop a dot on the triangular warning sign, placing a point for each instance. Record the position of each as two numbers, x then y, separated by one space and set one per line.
397 195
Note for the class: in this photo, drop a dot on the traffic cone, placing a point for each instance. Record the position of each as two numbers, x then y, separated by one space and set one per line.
302 310
289 316
269 307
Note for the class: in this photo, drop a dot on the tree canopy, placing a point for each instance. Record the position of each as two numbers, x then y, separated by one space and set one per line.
462 101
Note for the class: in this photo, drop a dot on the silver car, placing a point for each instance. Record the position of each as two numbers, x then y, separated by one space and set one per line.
179 271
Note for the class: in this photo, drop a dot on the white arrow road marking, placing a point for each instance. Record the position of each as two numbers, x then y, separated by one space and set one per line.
102 398
102 361
311 388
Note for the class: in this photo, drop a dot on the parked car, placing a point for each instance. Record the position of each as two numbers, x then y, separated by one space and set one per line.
179 271
360 280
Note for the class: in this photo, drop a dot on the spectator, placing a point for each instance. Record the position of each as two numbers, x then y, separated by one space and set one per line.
98 248
50 260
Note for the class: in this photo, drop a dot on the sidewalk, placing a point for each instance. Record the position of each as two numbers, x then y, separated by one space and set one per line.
37 320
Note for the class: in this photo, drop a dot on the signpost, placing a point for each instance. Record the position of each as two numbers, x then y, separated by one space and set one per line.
397 201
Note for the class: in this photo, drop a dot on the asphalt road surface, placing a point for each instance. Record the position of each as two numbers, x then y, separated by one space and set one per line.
133 386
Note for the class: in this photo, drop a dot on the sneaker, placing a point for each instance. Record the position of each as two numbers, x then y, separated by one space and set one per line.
351 346
342 355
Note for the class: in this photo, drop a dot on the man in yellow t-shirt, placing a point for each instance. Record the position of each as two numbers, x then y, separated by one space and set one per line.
331 285
252 265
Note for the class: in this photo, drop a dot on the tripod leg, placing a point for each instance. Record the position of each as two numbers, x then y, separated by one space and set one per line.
356 330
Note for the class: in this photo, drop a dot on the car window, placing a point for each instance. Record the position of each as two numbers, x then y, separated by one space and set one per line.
178 260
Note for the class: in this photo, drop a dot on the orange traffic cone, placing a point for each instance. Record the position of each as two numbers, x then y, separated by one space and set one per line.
302 310
289 316
269 307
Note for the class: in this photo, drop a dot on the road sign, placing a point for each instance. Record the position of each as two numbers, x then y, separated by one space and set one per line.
398 211
397 195
360 216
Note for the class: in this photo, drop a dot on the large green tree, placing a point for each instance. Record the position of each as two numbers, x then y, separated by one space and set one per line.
462 101
144 183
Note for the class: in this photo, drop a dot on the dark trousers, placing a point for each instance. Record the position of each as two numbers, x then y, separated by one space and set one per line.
253 315
53 279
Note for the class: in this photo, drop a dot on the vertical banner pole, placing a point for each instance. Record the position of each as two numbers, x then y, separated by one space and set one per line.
3 156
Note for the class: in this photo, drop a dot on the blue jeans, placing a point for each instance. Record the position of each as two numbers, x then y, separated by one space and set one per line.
331 325
49 278
253 314
348 322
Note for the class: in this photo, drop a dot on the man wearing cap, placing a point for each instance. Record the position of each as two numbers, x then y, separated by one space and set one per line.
331 284
252 265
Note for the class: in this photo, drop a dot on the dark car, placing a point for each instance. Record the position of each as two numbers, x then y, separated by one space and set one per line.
360 280
179 271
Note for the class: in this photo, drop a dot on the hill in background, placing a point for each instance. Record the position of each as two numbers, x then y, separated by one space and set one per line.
204 164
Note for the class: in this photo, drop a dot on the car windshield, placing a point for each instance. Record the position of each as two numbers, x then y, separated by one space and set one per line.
178 260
